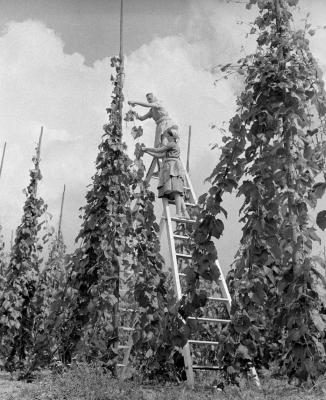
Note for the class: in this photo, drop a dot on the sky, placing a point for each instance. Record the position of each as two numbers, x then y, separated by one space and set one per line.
55 72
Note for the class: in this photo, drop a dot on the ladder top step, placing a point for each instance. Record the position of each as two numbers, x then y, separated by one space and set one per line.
204 342
206 319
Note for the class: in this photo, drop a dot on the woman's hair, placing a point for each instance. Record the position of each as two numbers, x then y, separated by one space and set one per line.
172 135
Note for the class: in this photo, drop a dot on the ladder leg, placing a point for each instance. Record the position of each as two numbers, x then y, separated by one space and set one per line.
188 365
126 358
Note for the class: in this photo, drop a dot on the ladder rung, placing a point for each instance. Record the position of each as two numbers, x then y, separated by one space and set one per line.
126 328
226 321
186 188
185 220
122 346
218 299
207 367
182 274
121 365
181 255
181 237
204 342
127 309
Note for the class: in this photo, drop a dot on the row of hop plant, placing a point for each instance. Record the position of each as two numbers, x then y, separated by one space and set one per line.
68 309
271 156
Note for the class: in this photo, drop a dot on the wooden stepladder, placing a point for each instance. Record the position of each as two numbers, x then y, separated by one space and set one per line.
219 303
178 241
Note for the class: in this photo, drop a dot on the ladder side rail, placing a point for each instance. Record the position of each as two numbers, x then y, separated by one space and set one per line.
188 181
151 170
185 351
126 356
169 227
223 286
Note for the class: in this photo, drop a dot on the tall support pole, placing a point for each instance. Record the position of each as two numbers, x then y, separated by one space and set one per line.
61 210
188 151
116 313
12 240
122 67
38 157
3 157
121 30
325 259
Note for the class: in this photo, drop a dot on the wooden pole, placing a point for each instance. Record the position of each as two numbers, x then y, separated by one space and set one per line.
122 67
12 240
325 259
61 210
39 145
3 156
116 292
188 151
121 31
38 157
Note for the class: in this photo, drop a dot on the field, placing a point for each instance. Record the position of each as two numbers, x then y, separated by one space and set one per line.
89 383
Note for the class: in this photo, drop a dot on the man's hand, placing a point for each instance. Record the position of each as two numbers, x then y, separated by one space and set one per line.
131 103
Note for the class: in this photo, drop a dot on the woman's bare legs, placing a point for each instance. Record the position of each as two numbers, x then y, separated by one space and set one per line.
180 207
178 204
184 208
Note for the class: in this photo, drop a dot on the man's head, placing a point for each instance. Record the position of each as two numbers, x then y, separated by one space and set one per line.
150 97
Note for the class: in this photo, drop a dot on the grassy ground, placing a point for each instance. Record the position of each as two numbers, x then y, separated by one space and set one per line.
89 383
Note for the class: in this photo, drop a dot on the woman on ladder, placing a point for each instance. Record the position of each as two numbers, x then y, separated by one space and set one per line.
171 175
157 112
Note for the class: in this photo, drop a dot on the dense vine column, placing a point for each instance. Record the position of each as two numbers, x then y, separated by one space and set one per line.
276 311
16 308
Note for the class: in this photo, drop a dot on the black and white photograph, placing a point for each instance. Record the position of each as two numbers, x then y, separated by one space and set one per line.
163 199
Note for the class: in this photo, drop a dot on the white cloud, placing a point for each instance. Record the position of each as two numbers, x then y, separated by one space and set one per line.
41 85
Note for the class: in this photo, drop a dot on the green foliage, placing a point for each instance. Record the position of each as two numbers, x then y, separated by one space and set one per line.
91 329
47 302
273 157
3 262
156 324
16 303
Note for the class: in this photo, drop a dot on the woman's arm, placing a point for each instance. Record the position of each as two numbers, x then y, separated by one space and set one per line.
156 155
146 116
140 103
161 149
